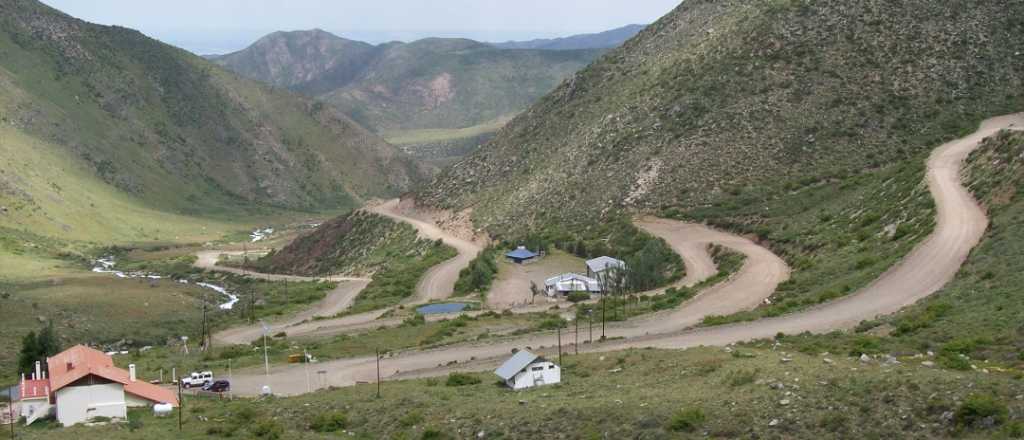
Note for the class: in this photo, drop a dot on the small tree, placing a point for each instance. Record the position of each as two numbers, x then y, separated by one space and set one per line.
37 347
29 352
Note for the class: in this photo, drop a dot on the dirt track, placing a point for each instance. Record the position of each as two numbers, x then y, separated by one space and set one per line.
439 282
960 226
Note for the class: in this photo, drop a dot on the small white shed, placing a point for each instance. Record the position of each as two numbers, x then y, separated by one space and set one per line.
527 370
570 282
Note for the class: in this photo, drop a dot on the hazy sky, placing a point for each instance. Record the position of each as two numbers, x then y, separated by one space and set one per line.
218 26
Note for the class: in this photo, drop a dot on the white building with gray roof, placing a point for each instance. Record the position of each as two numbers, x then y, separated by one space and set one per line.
527 370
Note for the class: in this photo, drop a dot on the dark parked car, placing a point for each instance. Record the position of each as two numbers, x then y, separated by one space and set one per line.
219 386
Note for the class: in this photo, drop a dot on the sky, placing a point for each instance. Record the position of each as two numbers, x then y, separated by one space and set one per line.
221 26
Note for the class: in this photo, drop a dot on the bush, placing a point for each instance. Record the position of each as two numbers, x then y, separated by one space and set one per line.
329 422
461 379
739 378
134 424
433 434
687 420
268 429
979 410
576 297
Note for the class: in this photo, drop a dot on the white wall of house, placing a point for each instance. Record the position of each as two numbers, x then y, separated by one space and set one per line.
536 374
77 404
134 401
31 406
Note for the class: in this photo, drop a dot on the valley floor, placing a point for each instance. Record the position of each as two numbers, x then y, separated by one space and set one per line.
960 226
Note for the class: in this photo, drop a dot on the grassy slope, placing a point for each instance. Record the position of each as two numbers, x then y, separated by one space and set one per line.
356 243
640 398
738 393
172 129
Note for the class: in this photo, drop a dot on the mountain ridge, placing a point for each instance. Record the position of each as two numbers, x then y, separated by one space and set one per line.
598 40
432 83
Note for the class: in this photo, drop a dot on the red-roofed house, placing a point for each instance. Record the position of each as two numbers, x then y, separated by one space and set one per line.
34 396
84 384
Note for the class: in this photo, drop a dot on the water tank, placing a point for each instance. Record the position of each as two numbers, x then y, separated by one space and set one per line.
162 409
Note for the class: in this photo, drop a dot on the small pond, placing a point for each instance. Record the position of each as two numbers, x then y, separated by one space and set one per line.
437 309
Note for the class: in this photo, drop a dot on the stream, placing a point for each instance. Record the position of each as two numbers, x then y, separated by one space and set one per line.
107 265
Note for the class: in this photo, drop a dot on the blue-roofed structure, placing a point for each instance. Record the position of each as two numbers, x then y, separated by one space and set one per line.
521 255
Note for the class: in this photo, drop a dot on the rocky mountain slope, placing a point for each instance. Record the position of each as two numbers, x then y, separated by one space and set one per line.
309 62
149 126
722 101
436 83
601 40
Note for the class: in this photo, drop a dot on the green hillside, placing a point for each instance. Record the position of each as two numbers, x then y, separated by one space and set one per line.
735 103
146 134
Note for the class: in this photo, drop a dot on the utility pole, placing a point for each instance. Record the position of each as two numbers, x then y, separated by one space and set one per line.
590 323
252 304
305 360
231 379
559 344
604 306
377 351
576 334
10 406
205 335
181 405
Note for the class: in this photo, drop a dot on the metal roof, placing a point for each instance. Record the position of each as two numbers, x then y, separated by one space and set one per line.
521 254
600 264
570 282
517 363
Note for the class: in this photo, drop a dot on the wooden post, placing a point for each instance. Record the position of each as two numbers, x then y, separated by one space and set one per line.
559 344
378 372
10 406
576 335
181 405
604 307
590 324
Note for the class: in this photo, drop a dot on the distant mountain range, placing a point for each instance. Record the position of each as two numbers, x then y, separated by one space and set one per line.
602 40
434 83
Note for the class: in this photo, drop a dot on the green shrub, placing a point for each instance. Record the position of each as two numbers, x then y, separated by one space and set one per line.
552 322
411 419
833 422
977 408
687 420
329 422
461 379
1014 430
433 434
738 378
414 321
576 297
268 429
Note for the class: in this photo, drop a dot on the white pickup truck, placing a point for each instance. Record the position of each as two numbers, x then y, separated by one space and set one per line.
197 379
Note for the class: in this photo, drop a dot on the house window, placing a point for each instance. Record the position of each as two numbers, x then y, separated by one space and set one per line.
551 367
537 368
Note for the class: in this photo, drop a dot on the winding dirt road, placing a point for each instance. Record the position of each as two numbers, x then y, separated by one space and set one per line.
961 223
439 282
